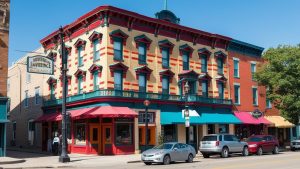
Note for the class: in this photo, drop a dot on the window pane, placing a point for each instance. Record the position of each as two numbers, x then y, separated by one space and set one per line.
142 83
204 88
236 68
254 94
165 57
221 90
118 80
220 65
236 94
80 133
118 49
203 64
124 134
185 60
96 49
165 85
96 80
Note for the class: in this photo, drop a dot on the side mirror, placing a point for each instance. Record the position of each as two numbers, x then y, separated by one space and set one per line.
175 149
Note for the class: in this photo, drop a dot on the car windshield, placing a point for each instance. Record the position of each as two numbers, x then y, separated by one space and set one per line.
209 138
254 139
164 146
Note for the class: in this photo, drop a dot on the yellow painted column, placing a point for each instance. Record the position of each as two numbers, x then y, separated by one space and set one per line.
231 129
136 136
181 133
158 127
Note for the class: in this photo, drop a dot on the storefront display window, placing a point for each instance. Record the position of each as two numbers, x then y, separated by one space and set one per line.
80 134
223 128
124 133
211 129
169 133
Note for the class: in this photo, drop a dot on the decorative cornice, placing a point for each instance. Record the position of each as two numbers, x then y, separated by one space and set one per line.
245 48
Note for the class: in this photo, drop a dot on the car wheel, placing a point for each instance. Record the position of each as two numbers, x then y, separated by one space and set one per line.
225 152
259 151
276 150
166 160
206 155
148 163
190 158
245 151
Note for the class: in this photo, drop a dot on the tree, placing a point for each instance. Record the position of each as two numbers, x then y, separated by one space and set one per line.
280 73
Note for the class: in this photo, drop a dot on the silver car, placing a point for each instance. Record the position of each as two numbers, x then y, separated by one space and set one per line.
169 152
295 144
223 144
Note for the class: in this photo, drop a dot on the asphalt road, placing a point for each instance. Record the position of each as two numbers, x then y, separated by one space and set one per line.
285 160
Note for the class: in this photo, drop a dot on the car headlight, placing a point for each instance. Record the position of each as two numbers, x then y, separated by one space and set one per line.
253 145
159 153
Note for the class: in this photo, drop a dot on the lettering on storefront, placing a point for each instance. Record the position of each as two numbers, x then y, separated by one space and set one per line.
40 64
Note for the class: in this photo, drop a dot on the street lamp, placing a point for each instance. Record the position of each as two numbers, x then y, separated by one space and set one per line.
146 104
186 110
64 154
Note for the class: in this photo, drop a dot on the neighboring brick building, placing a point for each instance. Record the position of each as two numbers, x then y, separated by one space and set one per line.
26 99
4 32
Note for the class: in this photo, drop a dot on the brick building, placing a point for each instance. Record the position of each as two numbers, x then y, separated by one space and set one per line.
4 32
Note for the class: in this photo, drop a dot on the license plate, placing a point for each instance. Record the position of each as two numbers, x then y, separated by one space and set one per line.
146 158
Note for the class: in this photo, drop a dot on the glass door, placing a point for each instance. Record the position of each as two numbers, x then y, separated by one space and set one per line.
95 139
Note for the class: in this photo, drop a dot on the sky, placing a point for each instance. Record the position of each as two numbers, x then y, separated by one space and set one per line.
265 23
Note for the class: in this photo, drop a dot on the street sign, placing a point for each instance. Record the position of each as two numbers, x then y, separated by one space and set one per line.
40 64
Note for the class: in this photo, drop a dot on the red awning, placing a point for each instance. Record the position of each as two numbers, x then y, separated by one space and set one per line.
48 117
110 111
247 118
105 111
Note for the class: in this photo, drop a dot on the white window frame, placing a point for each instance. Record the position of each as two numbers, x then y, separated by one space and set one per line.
252 63
239 101
255 87
238 67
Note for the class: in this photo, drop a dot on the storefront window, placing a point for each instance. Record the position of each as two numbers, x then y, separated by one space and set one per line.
80 133
211 129
169 133
124 134
223 128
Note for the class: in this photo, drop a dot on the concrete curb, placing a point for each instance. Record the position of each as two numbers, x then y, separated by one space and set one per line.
137 161
12 161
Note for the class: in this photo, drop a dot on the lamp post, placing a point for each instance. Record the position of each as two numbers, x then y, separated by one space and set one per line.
186 110
146 104
64 154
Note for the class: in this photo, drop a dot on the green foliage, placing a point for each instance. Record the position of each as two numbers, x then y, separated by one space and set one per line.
281 75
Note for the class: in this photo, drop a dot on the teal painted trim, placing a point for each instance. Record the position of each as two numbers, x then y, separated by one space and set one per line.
203 118
137 95
245 48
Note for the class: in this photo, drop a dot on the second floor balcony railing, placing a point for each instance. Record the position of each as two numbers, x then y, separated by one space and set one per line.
138 95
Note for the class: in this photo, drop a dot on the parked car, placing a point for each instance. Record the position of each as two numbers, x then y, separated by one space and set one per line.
169 152
259 144
295 144
223 144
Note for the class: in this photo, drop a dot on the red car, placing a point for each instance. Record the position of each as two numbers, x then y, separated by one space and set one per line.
259 144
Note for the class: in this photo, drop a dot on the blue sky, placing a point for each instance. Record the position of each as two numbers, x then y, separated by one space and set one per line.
266 23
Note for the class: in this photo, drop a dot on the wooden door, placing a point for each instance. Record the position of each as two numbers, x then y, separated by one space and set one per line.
107 139
95 139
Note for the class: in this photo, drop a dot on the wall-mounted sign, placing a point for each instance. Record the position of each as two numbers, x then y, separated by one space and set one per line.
40 64
256 113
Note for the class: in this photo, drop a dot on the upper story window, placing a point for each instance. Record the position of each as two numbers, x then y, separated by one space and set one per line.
203 64
237 94
80 56
142 82
143 44
95 71
186 52
220 66
166 48
221 90
52 83
165 58
80 46
204 55
236 65
220 58
118 49
165 85
96 80
142 53
204 85
118 80
96 49
254 96
80 74
118 39
142 117
253 69
80 84
37 95
26 100
185 61
95 40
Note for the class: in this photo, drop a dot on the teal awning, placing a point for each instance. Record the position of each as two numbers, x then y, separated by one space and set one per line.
203 118
4 121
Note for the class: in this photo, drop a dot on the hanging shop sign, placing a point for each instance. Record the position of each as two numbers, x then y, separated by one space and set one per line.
256 113
40 64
